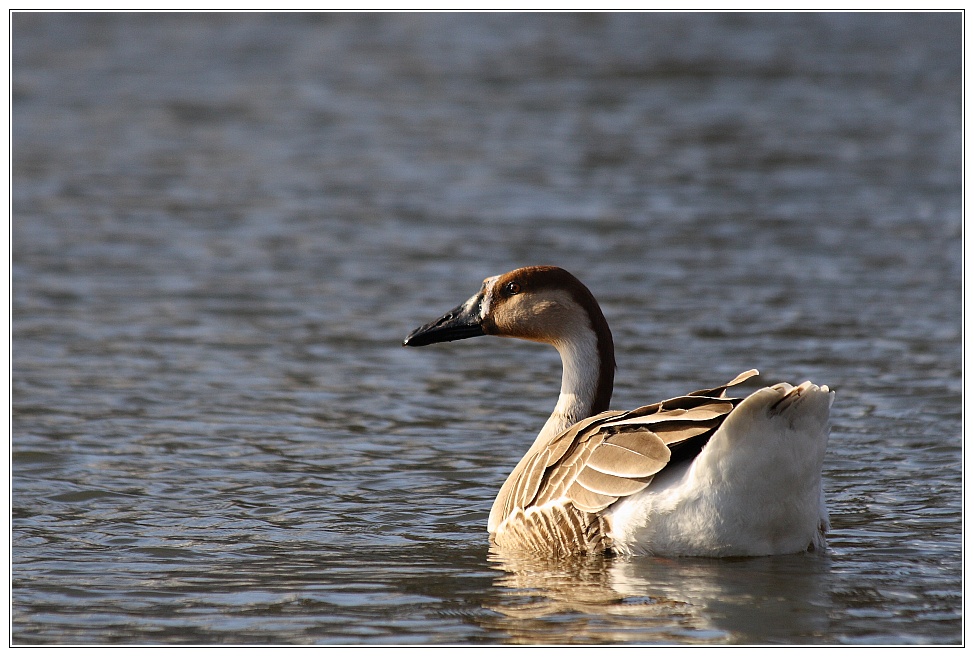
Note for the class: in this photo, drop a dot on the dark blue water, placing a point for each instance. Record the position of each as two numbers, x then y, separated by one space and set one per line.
224 225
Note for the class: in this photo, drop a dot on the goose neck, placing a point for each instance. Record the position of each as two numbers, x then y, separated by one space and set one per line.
588 366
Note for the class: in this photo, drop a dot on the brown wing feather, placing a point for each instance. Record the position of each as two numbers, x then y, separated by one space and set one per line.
711 409
559 446
629 462
674 432
528 483
588 501
609 485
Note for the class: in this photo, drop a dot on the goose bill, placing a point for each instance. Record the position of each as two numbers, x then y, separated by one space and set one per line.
463 321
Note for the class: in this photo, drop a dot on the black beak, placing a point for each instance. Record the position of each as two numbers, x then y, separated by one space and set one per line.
459 323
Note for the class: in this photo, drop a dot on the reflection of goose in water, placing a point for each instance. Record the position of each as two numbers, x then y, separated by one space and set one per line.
701 474
572 601
582 600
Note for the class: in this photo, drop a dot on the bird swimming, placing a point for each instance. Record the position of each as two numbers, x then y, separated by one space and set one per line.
701 474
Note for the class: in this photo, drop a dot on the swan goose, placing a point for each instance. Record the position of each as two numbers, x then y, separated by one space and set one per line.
702 474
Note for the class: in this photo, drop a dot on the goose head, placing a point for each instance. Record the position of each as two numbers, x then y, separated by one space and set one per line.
538 303
542 304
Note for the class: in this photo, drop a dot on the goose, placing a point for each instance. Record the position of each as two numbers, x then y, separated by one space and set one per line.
702 474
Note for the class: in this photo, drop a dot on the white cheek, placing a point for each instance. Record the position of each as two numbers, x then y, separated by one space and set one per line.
486 302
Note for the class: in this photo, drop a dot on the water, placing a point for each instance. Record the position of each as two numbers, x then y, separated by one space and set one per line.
224 225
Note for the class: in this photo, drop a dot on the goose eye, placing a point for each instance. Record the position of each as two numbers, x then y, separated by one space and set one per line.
512 288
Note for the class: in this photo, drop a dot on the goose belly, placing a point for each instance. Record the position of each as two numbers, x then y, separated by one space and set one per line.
681 519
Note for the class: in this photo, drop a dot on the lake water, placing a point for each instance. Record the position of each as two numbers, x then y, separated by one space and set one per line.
224 226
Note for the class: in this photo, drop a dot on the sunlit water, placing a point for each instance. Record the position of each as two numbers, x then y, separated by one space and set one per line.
223 226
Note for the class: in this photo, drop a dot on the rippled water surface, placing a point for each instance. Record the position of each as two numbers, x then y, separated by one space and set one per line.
224 225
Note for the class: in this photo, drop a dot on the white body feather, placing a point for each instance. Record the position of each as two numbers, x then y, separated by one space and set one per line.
729 500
